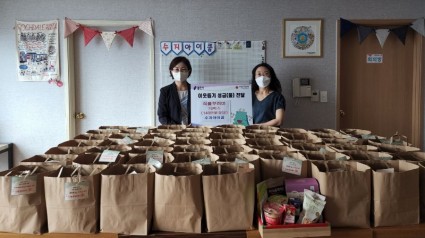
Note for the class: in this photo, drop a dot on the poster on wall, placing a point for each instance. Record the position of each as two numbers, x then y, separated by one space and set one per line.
221 104
38 50
222 61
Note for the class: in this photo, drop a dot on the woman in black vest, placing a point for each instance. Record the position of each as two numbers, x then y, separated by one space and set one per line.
174 99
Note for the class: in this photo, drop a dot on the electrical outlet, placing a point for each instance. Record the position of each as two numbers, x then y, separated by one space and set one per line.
323 96
314 95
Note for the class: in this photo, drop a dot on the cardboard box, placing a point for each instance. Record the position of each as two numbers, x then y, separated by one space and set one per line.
286 230
294 230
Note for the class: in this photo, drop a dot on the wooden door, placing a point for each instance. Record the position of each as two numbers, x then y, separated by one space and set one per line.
384 98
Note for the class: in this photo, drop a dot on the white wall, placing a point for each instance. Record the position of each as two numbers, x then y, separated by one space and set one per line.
32 114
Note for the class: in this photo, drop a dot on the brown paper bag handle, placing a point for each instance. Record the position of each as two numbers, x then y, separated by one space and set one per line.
273 158
33 171
128 169
75 170
8 173
175 169
92 172
95 159
60 171
326 166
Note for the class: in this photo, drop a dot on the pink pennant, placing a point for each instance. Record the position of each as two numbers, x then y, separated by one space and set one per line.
89 34
146 26
70 27
128 34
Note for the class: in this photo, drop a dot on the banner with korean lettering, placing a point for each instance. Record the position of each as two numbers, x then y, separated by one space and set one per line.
38 50
220 104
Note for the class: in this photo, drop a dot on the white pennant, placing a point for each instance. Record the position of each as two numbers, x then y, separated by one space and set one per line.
108 38
146 26
419 26
382 35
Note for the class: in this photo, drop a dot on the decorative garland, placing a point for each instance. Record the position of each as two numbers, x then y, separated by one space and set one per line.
382 32
108 37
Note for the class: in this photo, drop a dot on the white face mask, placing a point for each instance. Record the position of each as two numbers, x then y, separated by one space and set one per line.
263 81
180 76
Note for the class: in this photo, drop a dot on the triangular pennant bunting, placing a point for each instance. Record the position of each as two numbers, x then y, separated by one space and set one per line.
146 26
382 35
401 33
108 38
346 26
128 34
70 27
363 32
89 34
419 26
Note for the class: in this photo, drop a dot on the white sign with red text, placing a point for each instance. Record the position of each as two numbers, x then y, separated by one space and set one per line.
220 104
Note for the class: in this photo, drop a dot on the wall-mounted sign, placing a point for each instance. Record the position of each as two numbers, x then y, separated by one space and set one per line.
374 58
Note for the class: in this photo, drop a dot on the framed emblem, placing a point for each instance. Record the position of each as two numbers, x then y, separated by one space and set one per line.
302 37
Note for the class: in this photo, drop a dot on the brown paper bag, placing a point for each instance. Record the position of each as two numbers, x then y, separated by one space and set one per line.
22 203
178 203
227 130
72 200
225 149
410 156
347 187
311 147
143 159
222 142
228 196
395 195
243 158
42 161
91 161
193 157
192 148
203 129
279 165
126 199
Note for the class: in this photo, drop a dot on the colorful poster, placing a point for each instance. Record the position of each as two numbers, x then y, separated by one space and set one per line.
38 50
220 104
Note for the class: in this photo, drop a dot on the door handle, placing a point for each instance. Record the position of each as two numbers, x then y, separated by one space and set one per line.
80 115
341 113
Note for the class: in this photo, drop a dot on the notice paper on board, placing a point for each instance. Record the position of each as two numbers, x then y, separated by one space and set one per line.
221 104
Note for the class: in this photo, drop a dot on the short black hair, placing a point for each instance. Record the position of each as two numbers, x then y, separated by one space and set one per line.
178 60
274 82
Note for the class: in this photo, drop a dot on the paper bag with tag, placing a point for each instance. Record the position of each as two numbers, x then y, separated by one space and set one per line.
178 203
286 164
72 200
347 187
22 203
395 192
228 190
126 199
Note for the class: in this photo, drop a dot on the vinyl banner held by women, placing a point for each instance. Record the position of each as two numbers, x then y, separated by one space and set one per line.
38 50
221 104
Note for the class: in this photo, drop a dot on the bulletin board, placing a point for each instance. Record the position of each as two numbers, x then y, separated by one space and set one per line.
214 61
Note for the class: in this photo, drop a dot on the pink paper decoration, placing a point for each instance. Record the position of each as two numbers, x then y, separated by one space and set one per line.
70 27
89 34
128 34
